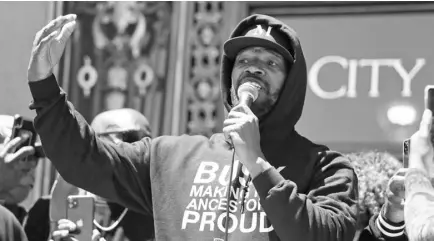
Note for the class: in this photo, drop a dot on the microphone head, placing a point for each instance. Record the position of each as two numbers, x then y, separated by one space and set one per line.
248 88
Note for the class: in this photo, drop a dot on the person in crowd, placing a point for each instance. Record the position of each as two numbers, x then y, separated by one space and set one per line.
283 187
419 192
120 125
10 227
381 195
17 167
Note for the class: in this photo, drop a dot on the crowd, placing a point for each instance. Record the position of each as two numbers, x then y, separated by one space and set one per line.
257 180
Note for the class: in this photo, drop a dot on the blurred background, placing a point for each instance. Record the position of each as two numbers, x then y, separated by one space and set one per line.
367 65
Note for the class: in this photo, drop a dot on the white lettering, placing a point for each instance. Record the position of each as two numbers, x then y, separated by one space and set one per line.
207 221
375 72
221 222
408 76
352 78
208 192
313 77
192 204
203 203
350 90
206 172
262 222
213 208
195 191
188 219
243 229
224 175
249 207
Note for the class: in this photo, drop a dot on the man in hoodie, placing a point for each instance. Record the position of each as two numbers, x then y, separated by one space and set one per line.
299 190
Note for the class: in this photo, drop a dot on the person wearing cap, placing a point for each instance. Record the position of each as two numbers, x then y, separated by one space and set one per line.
16 180
120 125
287 188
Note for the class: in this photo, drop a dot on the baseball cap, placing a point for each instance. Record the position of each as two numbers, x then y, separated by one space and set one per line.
260 35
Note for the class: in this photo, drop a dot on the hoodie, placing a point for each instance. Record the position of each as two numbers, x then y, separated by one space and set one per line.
182 181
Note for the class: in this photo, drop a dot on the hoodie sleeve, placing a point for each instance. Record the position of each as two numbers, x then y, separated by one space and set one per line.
379 229
327 213
118 172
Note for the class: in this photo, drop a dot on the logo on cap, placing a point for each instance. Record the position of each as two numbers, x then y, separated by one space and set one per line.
260 31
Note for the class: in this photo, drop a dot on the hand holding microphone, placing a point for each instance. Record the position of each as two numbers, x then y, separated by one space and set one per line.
242 126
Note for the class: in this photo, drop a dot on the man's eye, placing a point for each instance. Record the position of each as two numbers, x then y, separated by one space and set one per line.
272 63
243 61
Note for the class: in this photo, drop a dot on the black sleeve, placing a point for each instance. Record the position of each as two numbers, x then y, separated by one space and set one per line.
327 213
37 226
377 230
118 172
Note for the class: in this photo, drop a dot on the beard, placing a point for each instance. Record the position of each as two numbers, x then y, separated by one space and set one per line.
260 109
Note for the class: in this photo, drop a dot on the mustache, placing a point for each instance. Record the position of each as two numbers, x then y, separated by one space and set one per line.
247 77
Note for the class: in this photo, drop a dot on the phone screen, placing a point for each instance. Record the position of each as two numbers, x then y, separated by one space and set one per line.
405 152
429 104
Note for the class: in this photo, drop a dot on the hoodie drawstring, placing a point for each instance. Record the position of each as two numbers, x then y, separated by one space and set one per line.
228 195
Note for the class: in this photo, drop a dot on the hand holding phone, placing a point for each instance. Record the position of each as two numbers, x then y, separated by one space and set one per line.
24 127
81 211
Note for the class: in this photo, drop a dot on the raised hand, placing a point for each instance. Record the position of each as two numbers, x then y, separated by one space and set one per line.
48 47
395 195
421 150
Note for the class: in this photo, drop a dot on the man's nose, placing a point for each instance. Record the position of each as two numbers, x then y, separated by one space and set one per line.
255 70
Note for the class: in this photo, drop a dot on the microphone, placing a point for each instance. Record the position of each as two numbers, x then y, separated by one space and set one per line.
247 94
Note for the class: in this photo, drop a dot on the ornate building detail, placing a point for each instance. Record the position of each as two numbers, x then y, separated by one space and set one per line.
127 44
87 76
203 95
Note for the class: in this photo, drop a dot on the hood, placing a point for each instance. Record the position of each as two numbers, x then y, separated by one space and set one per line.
278 126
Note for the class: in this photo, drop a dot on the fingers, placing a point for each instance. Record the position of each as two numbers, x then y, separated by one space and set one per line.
65 224
64 228
230 128
11 145
236 114
425 124
66 32
54 25
6 140
230 121
21 153
96 236
243 109
58 234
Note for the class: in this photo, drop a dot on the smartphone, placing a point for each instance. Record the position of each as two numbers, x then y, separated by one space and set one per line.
81 211
429 104
405 152
23 126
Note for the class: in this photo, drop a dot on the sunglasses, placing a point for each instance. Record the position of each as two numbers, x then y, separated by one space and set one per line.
129 136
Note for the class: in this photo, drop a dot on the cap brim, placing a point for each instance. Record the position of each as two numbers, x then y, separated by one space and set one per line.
233 46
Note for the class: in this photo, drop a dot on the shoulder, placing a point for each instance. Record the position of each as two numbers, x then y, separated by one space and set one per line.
326 159
10 227
184 141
